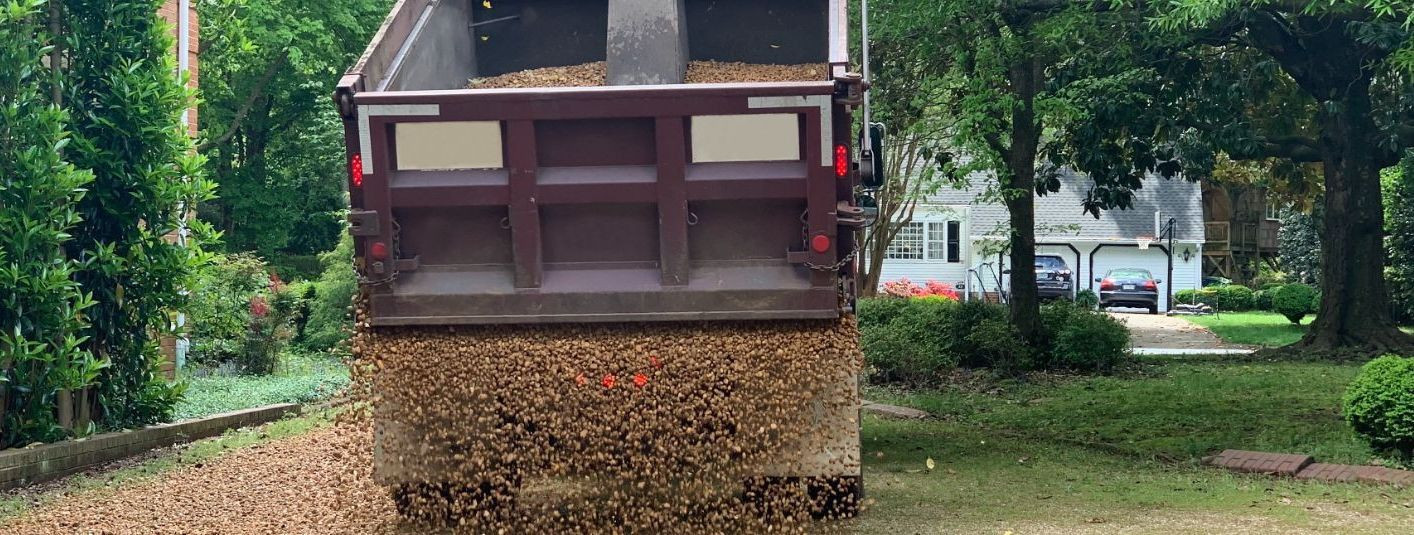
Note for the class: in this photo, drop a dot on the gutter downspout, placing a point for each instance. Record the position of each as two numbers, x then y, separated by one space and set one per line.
183 67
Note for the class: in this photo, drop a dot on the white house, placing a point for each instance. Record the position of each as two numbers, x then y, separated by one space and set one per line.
954 235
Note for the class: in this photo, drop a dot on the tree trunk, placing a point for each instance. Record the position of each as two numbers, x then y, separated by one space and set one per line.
1020 196
1354 313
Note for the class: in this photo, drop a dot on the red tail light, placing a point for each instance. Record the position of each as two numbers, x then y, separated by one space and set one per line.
1107 285
356 170
1151 285
841 161
379 250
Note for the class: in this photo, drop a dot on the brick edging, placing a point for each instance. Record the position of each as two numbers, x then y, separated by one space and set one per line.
1304 467
26 466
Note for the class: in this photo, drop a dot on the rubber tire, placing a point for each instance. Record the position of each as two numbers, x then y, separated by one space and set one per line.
1154 309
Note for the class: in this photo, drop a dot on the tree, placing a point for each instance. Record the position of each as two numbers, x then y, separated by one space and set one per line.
915 153
1399 203
41 306
1321 86
271 134
995 65
125 105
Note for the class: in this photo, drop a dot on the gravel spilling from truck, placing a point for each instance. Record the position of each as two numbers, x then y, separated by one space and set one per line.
698 72
608 428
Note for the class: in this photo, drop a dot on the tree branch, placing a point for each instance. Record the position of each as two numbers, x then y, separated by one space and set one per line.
1295 148
249 103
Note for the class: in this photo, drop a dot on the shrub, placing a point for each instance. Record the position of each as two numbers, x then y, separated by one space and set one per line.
1380 404
1263 298
906 288
1234 297
1087 298
219 309
1294 301
876 312
914 346
330 318
997 342
1090 341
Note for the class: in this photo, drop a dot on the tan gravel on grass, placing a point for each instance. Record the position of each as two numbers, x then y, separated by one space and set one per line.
698 72
313 483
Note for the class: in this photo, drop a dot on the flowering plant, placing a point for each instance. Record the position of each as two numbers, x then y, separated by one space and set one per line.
906 288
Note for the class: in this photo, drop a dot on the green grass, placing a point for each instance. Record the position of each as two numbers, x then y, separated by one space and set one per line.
216 394
1111 453
197 452
1265 329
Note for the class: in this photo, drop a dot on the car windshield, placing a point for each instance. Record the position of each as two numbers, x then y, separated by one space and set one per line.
1130 274
1050 262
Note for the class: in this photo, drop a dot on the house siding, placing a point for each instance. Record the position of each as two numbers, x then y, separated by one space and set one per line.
1110 241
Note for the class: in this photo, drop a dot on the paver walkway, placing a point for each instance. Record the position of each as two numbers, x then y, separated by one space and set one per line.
1156 332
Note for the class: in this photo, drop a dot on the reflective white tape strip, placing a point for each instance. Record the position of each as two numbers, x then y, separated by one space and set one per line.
827 126
365 137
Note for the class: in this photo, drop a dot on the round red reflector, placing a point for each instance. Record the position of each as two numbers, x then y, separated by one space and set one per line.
820 243
379 250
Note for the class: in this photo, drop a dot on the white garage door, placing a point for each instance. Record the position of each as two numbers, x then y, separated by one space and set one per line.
1153 259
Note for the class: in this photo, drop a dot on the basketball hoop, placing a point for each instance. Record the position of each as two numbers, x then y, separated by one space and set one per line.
1144 243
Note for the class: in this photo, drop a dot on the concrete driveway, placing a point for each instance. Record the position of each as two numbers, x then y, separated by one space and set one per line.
1153 334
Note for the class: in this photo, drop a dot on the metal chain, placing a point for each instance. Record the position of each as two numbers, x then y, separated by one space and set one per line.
837 265
393 267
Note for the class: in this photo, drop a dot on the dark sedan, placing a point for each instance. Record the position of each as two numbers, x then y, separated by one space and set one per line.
1053 278
1133 288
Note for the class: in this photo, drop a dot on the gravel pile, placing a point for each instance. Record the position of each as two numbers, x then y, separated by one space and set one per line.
698 72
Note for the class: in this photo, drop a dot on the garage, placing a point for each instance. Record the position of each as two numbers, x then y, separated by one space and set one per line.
1107 256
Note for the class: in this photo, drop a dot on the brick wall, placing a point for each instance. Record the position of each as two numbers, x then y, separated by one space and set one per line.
169 12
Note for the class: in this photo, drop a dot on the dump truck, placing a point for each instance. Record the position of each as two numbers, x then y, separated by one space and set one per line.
595 212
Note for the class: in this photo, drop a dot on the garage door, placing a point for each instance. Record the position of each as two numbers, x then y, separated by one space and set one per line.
1153 259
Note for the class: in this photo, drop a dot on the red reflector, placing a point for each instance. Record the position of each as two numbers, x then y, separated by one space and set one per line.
640 380
379 250
820 243
609 381
1107 284
356 170
841 161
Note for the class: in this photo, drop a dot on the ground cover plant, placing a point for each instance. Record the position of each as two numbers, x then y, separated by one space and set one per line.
217 394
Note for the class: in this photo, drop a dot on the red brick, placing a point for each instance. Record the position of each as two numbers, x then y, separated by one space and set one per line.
1260 462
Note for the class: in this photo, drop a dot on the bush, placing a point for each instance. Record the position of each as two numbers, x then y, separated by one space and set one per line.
876 312
330 319
1294 301
997 343
1235 297
1087 298
1380 404
1228 297
1263 298
906 288
1089 341
913 347
219 309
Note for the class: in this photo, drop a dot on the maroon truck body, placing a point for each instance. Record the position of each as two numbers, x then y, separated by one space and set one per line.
600 212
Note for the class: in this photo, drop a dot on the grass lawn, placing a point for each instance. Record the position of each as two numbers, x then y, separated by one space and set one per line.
1266 329
1122 453
216 394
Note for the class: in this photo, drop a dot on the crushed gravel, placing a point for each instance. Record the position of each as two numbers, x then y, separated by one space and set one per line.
698 72
314 483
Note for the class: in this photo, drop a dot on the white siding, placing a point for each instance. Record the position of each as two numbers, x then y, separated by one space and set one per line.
931 268
1186 274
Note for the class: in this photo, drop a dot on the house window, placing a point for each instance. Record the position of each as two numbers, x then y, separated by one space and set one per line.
1273 211
954 242
933 240
908 244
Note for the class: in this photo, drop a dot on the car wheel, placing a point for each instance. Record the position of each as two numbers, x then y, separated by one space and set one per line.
1153 310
